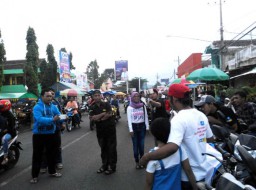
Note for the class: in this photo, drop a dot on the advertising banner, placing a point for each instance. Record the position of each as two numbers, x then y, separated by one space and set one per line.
64 67
81 80
121 68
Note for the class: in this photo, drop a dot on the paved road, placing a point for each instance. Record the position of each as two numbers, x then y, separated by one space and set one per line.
81 155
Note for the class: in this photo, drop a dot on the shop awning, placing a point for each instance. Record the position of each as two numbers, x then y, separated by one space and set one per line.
253 71
18 96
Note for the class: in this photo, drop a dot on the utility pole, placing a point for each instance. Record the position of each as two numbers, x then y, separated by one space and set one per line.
178 61
221 37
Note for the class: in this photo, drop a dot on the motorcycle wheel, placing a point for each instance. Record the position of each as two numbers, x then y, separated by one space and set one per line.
13 157
69 126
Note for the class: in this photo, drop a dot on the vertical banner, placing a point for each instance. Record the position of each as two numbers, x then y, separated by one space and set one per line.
121 68
81 81
64 67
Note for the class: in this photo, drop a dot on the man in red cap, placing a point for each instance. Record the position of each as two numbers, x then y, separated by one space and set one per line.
189 129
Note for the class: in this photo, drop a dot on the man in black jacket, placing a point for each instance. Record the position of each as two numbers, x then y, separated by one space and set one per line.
217 114
100 113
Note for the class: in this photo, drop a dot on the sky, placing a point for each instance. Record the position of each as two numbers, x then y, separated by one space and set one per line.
152 35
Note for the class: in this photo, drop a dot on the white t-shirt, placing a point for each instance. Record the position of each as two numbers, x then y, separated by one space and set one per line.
170 161
137 116
190 128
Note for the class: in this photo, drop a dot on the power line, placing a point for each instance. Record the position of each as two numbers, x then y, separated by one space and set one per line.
185 37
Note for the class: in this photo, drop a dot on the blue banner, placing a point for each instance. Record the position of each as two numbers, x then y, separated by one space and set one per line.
64 67
121 70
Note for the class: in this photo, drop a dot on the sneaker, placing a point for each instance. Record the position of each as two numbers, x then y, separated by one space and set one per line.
59 166
43 170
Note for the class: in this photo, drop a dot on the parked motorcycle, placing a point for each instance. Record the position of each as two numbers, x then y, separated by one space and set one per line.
84 107
114 113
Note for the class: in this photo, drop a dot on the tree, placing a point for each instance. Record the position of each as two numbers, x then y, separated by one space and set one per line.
92 72
52 64
32 62
2 61
44 78
134 83
99 81
157 84
72 67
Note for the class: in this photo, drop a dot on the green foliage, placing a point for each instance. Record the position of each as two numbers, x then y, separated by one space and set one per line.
72 67
32 62
2 61
99 81
251 92
52 64
92 71
44 79
157 84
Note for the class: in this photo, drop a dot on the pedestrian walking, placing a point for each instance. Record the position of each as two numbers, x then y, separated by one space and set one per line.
101 114
138 124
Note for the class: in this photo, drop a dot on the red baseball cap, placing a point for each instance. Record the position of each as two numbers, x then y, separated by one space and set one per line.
178 90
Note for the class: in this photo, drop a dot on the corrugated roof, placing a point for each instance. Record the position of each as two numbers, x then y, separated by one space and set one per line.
13 89
13 71
16 71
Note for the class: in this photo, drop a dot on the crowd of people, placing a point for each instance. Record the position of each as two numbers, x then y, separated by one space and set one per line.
176 161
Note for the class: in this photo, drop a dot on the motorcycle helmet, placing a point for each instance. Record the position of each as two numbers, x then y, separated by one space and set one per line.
5 105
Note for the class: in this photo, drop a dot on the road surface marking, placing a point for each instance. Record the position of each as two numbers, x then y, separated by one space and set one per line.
30 167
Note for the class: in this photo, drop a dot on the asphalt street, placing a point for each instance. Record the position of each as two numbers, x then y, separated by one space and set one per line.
81 159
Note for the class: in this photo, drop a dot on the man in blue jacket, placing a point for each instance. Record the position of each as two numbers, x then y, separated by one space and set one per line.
45 116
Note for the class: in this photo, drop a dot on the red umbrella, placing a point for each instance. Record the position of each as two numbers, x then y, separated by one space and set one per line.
72 92
69 92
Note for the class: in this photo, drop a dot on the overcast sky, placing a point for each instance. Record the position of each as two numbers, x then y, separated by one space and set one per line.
133 30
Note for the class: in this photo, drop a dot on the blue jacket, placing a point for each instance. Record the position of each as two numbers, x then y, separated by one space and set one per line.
43 118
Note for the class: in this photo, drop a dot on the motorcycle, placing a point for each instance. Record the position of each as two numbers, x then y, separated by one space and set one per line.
13 145
13 154
84 107
70 121
114 113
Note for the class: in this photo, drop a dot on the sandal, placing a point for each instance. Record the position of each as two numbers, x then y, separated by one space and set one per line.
56 175
101 170
109 171
33 180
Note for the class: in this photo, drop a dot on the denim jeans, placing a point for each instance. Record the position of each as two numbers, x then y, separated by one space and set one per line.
76 119
139 132
5 139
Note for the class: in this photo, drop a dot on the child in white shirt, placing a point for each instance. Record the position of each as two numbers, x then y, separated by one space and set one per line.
166 173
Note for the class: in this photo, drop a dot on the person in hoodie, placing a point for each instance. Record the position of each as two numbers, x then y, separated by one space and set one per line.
45 117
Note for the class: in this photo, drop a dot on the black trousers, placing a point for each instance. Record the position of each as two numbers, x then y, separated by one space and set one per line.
58 158
41 142
107 140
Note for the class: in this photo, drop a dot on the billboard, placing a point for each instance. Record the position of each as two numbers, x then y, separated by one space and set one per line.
121 68
81 81
64 67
